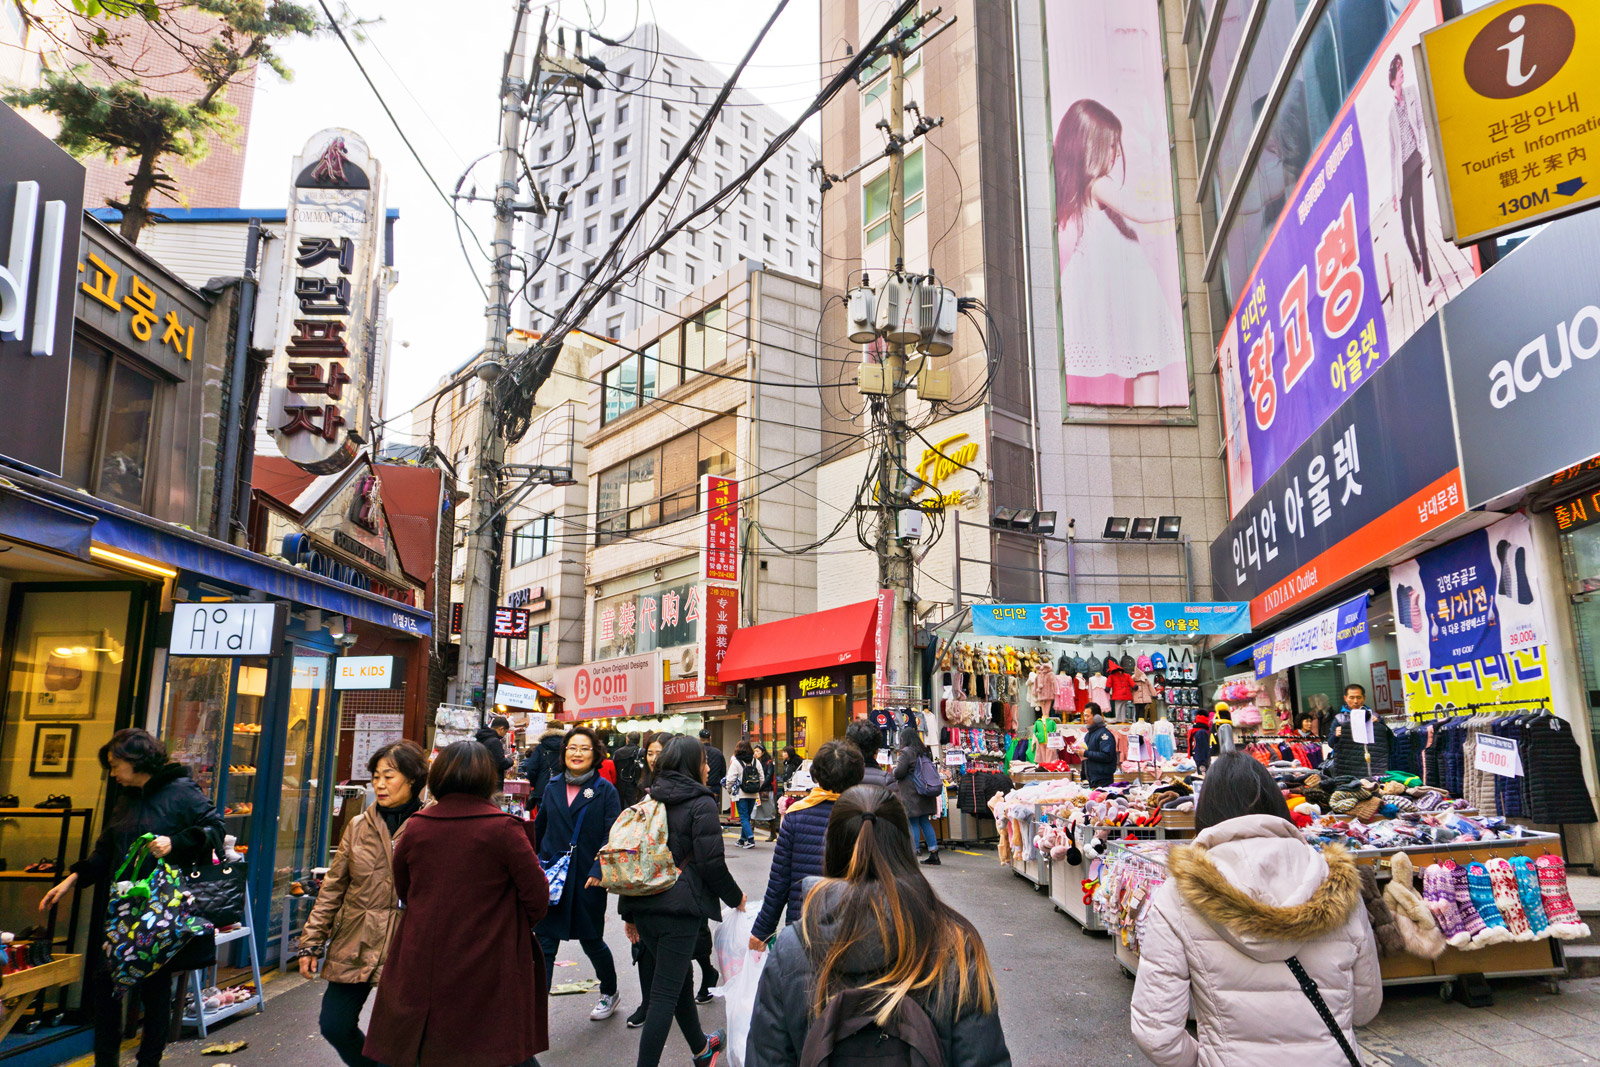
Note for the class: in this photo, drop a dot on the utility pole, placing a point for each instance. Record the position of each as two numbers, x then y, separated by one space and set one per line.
477 630
894 555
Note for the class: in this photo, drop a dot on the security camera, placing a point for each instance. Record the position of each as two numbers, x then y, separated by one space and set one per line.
345 640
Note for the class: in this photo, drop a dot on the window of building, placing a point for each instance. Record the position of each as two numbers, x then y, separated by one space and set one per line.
767 174
622 114
613 299
530 541
788 223
766 211
661 297
617 220
875 198
563 245
688 273
873 75
692 237
595 126
539 645
666 149
674 357
619 149
722 147
594 161
665 259
666 113
744 232
716 251
544 153
568 173
589 234
744 130
662 485
591 197
619 185
614 327
561 284
766 243
538 291
790 254
619 390
111 411
790 191
572 139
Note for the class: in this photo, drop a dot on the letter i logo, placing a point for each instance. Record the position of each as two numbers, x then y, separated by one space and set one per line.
1515 75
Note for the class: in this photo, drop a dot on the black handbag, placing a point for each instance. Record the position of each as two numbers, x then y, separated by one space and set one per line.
217 890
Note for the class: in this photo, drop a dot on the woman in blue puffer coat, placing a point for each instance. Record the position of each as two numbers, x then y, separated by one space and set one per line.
837 766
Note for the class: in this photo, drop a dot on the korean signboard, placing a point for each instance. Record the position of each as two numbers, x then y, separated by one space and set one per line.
721 620
887 603
1327 633
721 556
1355 265
1576 512
1505 676
328 303
819 684
41 218
1515 95
129 299
1379 474
1523 371
511 622
1475 597
228 629
613 688
1164 620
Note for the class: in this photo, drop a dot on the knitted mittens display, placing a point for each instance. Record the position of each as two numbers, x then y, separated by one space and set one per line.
1439 893
1528 891
1503 885
1565 923
1419 932
1482 919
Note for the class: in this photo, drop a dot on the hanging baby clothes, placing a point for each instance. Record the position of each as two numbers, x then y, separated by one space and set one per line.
1066 700
1098 693
1164 741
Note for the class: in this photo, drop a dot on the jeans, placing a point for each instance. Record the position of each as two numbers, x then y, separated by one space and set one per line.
667 946
746 831
340 1021
1412 215
922 826
155 996
605 968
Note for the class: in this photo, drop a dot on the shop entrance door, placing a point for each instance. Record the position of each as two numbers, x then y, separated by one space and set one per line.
302 807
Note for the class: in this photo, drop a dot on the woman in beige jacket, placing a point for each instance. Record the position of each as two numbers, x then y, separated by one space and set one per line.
357 910
1246 899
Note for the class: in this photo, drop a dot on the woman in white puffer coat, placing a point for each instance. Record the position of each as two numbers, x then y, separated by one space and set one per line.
1239 904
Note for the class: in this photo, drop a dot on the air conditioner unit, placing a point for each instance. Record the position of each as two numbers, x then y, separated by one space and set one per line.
936 318
688 661
858 308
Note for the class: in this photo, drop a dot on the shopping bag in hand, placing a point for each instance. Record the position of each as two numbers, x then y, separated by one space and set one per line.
148 919
741 975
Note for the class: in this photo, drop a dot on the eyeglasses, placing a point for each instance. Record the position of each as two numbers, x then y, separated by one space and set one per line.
579 748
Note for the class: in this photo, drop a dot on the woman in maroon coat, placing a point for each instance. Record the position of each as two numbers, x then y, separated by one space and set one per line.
472 889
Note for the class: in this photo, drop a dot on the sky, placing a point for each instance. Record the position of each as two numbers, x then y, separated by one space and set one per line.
441 82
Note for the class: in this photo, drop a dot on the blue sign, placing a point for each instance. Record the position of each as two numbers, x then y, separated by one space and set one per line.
1328 633
1088 620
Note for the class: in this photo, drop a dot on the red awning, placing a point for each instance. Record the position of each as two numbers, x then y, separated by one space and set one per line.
819 641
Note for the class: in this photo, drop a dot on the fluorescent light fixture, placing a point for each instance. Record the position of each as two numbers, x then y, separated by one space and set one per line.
133 563
1167 527
1045 522
1143 529
1117 528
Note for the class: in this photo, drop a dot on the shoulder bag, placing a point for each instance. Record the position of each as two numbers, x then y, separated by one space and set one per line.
148 920
216 891
555 872
1313 994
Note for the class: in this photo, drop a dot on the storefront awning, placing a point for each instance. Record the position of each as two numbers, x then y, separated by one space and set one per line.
804 643
504 675
36 521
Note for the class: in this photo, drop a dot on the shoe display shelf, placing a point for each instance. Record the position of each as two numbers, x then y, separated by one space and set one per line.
195 1015
41 983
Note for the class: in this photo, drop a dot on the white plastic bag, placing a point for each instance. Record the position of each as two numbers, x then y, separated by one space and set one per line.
741 976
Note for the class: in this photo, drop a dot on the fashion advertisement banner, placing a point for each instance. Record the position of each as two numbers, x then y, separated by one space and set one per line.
1116 227
1508 676
1522 348
1471 598
1355 266
1328 633
1045 620
1379 474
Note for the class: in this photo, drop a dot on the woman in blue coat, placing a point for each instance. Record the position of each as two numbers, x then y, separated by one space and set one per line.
576 813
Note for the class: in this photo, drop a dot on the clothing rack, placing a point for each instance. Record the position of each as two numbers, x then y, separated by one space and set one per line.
1457 710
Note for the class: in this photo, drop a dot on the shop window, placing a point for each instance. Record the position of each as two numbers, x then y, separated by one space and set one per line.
110 417
301 803
666 362
539 645
662 485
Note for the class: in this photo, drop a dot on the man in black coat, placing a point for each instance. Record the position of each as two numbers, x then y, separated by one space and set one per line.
493 738
542 761
1099 753
627 760
716 766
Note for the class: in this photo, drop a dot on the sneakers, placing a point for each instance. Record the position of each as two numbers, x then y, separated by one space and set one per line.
604 1008
636 1020
704 996
932 860
715 1041
748 844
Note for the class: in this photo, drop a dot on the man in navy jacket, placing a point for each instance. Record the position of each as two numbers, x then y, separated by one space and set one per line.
1099 752
836 767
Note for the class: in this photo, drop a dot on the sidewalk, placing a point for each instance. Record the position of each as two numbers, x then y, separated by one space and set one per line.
1526 1025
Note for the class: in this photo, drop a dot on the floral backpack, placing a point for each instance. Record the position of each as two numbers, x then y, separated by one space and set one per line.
148 919
636 861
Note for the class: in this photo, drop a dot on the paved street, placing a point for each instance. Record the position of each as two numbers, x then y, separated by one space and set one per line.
1061 993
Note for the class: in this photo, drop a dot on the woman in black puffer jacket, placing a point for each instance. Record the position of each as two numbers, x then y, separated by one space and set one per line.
158 798
667 926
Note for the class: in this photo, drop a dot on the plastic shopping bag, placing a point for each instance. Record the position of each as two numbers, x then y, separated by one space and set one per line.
741 975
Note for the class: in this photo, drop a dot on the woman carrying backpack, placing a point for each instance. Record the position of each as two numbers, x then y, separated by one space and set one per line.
920 808
876 943
574 820
667 925
744 782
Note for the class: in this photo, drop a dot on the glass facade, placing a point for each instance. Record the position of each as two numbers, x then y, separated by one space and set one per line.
1339 40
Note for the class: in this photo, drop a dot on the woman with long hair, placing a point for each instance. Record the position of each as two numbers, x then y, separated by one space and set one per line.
575 816
347 935
652 744
877 943
744 800
919 809
769 783
473 892
1251 922
1103 266
667 925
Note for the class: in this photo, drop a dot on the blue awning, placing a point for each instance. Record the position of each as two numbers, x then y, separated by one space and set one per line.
1240 656
118 527
35 520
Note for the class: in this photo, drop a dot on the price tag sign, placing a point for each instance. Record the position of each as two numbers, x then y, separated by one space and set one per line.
1498 755
955 759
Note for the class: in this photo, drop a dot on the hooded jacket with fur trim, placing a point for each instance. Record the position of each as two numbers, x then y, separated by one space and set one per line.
1245 897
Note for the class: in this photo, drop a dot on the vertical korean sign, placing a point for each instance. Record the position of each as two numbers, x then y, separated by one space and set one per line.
880 647
721 556
1355 265
720 618
328 304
